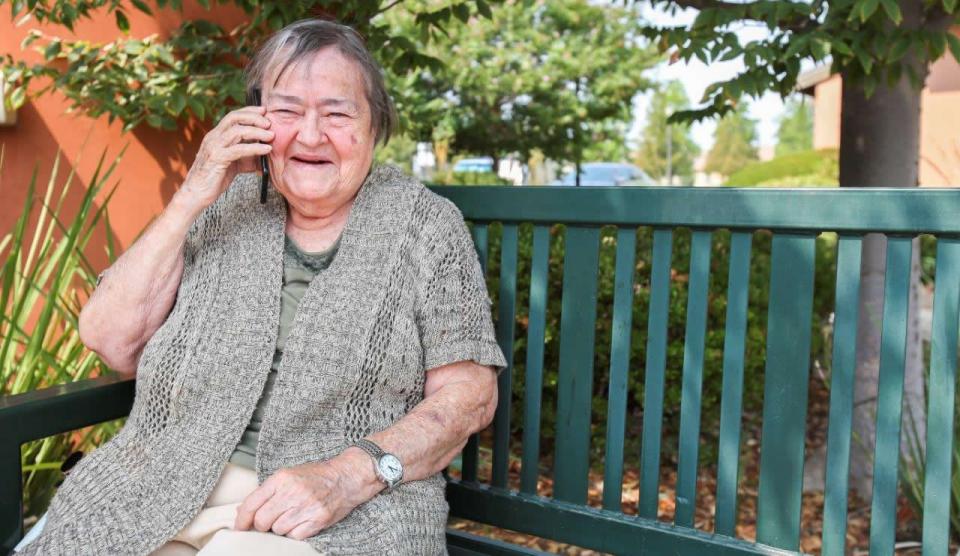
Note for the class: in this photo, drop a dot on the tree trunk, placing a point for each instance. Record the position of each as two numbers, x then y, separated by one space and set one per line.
880 147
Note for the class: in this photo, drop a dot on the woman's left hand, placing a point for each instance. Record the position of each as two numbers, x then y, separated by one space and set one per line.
299 502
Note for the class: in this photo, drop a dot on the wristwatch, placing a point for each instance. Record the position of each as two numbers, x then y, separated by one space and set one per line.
387 466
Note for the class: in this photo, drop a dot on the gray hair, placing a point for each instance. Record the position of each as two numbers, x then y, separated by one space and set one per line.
308 36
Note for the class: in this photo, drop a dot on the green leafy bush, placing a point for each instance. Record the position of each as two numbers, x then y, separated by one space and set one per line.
819 168
468 178
43 280
713 367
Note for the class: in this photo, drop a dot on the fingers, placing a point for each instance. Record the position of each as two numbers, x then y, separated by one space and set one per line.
267 515
304 530
249 115
246 134
250 505
287 521
243 150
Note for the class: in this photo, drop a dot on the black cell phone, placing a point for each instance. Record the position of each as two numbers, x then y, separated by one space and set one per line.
253 99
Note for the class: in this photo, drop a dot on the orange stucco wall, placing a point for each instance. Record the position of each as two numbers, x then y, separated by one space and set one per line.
154 162
939 122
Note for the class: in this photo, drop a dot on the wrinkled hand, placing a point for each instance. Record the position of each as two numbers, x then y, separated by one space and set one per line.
299 502
230 148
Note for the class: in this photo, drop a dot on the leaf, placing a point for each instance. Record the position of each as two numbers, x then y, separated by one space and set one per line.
841 47
869 85
196 107
949 6
705 19
898 48
462 12
893 11
32 36
796 45
731 54
866 8
865 61
122 22
937 43
52 49
954 43
178 102
142 6
17 97
484 9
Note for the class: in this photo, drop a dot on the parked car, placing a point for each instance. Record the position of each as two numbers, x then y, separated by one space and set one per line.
482 164
606 174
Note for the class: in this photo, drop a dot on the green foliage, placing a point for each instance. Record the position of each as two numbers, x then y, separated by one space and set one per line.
652 154
448 177
733 145
197 71
399 151
796 128
870 41
608 142
802 169
44 277
712 382
537 75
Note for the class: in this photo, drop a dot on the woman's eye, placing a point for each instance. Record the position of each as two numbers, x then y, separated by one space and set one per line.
338 115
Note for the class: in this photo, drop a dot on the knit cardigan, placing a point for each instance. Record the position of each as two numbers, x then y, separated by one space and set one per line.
405 293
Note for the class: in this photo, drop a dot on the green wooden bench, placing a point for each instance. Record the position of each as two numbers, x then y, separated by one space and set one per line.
794 217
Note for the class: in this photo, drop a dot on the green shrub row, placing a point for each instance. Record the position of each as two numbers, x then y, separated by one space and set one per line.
819 168
712 376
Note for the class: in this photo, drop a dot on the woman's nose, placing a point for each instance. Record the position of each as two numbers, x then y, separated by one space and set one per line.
312 131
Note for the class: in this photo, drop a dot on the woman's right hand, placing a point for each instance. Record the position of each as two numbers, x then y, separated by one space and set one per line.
230 148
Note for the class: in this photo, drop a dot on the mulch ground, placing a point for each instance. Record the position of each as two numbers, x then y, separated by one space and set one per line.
858 525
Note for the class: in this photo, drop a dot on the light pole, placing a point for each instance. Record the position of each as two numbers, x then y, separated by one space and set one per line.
669 152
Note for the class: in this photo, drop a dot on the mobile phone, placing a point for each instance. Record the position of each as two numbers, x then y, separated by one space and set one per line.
253 99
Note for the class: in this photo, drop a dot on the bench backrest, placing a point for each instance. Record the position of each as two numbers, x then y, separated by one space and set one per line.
794 218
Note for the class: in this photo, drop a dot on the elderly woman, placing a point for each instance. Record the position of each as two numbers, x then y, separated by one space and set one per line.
305 366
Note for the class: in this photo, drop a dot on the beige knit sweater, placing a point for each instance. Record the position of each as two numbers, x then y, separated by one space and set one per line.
405 293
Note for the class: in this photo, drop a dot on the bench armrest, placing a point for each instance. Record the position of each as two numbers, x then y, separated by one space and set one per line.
42 413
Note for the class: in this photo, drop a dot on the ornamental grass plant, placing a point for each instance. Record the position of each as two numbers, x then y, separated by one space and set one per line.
44 279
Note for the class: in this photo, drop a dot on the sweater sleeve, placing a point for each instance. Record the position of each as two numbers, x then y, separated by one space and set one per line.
453 313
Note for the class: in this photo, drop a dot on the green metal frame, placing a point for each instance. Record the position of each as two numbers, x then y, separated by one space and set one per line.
794 217
43 413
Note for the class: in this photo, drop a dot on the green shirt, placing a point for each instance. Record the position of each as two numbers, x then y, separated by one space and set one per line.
299 268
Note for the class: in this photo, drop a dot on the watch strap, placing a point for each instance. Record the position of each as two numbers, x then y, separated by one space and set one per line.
376 452
368 446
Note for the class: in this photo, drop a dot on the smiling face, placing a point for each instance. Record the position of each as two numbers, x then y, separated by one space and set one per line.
323 142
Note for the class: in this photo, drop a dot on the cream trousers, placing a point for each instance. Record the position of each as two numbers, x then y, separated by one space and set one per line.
211 533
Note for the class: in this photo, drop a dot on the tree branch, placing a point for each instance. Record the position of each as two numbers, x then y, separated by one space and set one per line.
387 7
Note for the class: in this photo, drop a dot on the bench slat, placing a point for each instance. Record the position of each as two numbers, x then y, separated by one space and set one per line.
943 376
785 390
506 323
893 352
844 363
690 401
591 528
731 403
575 378
655 373
619 367
533 381
471 450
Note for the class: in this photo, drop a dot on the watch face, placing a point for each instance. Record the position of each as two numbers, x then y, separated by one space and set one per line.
390 467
